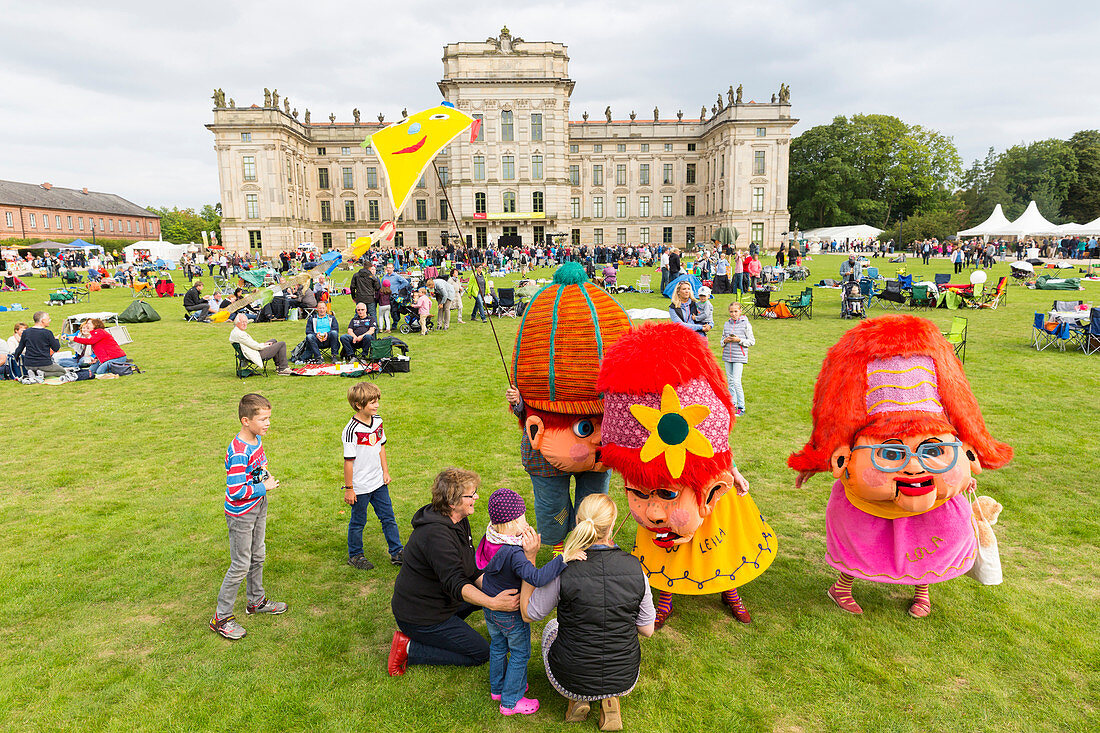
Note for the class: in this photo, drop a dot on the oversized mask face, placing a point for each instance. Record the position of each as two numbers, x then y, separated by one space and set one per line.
910 473
674 514
574 449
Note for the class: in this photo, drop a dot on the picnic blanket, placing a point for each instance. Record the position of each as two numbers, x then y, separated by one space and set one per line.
335 370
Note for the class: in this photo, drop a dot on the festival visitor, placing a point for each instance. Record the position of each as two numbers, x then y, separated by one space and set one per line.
256 352
247 483
455 301
361 330
442 297
507 553
364 288
480 291
322 332
385 306
439 584
107 351
193 302
13 340
753 268
423 308
704 310
37 346
367 474
591 649
736 338
682 309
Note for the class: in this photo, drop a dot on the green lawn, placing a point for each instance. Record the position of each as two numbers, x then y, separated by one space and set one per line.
115 545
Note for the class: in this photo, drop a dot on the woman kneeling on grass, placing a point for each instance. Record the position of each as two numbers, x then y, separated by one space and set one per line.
591 649
439 583
93 332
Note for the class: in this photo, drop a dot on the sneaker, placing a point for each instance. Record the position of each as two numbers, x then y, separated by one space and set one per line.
740 412
39 376
398 660
227 627
360 563
525 706
266 606
397 557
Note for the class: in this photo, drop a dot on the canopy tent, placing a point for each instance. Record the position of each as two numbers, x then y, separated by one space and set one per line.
81 244
44 245
997 223
158 250
1093 227
725 235
841 234
1032 223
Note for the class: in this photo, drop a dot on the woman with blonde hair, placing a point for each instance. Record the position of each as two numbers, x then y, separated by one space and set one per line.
591 649
682 309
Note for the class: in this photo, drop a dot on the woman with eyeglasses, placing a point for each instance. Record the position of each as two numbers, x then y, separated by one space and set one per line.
439 584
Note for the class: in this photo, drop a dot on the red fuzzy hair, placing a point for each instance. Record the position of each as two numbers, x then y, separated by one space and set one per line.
839 409
643 361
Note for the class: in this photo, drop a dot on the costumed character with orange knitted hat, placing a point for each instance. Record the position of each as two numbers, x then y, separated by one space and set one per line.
897 425
666 428
565 331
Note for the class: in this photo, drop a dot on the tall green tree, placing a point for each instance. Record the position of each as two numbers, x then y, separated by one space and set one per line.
870 169
1044 171
1082 203
184 225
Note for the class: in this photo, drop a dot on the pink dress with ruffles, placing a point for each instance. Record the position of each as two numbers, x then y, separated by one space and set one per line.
928 548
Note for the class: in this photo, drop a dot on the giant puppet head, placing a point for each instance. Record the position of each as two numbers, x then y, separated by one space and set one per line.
895 419
565 332
666 426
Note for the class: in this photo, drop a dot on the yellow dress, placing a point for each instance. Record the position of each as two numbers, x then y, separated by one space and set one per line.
731 547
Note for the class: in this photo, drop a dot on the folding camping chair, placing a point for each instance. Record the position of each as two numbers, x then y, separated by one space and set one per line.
804 306
921 297
1092 333
643 285
381 353
957 336
761 303
506 303
891 295
994 298
1041 336
244 367
1069 334
941 278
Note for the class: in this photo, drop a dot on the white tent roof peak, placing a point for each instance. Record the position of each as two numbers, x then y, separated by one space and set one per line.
997 223
1031 222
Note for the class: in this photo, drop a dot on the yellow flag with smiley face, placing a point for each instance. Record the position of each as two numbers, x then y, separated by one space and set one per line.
406 148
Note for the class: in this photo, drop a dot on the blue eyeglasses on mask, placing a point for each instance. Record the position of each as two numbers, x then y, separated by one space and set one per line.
932 457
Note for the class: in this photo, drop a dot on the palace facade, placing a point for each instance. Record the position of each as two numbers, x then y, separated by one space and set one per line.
532 172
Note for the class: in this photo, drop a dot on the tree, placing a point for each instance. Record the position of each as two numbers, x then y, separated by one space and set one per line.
1043 171
872 168
184 225
1082 203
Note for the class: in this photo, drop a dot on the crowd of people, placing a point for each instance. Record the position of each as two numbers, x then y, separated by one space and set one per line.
29 354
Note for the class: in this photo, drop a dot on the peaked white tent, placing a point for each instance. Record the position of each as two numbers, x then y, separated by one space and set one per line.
840 234
1032 223
1093 227
997 223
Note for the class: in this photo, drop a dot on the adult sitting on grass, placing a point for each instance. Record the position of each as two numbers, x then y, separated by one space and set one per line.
439 583
361 330
93 332
591 649
37 346
193 302
256 352
322 332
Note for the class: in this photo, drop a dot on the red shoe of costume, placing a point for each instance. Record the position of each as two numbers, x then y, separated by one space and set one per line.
739 611
399 655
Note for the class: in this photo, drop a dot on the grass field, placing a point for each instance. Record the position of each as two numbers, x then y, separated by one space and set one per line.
115 545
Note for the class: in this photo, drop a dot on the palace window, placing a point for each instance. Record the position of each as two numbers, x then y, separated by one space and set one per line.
509 202
246 137
689 206
537 202
480 128
620 174
349 179
421 209
621 148
479 167
666 206
643 206
574 206
691 235
482 236
479 203
540 234
643 174
620 207
326 241
574 148
758 157
444 175
597 207
689 175
620 235
597 236
248 165
761 131
536 126
597 175
691 147
643 235
349 210
421 239
645 147
507 133
758 198
373 210
668 147
255 242
536 167
345 151
757 232
575 237
666 235
349 238
443 212
597 148
320 151
322 178
668 173
326 211
507 167
574 175
252 206
372 178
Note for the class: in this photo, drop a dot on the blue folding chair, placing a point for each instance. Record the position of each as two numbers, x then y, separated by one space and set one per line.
1092 333
1041 337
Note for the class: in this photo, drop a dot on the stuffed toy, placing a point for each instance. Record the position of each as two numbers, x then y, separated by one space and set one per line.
566 329
666 428
986 510
895 422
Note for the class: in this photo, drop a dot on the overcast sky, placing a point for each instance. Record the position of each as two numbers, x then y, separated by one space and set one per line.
114 95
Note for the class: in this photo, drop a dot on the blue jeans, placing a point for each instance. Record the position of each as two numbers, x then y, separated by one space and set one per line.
733 379
509 652
103 367
450 643
554 514
314 344
479 307
383 509
349 347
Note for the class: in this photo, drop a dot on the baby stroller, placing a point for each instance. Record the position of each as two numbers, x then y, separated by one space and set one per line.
852 303
407 317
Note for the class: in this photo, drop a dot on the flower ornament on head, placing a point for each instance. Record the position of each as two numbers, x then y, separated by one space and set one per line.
673 431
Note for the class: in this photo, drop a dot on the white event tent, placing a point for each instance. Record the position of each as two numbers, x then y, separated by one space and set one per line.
841 234
997 223
1030 224
167 251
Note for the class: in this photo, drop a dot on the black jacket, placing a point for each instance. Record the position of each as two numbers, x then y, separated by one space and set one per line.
36 345
193 299
365 287
438 561
597 651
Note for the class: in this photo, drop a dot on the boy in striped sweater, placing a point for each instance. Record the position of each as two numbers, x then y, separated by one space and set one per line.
246 485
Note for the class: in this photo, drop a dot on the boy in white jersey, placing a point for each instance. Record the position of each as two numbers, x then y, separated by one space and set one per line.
367 475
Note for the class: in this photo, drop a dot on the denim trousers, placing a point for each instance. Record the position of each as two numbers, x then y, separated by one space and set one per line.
509 652
349 347
554 513
247 550
733 379
383 509
450 643
479 308
314 344
104 367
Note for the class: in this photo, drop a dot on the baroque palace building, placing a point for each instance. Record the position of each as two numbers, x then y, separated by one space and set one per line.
532 171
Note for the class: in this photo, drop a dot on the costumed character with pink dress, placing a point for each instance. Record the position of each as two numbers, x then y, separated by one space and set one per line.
666 428
565 331
897 425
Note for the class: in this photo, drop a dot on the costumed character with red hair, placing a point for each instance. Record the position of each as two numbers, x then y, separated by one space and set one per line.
565 331
897 425
666 427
